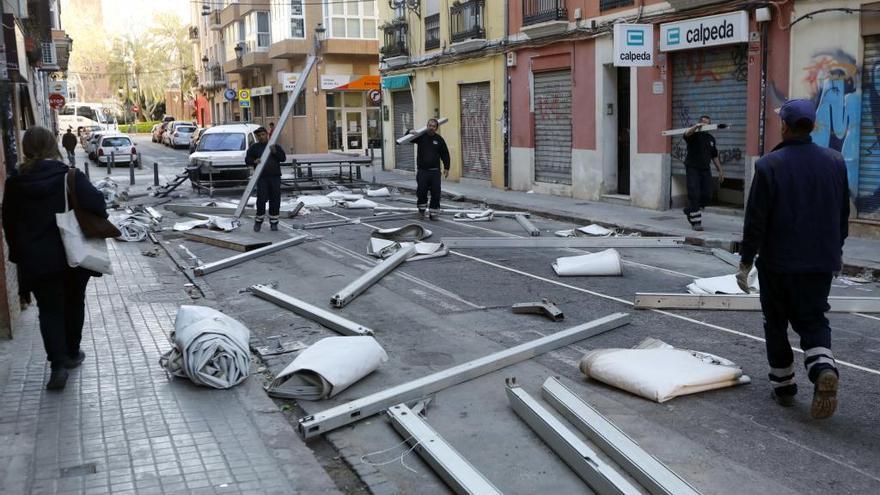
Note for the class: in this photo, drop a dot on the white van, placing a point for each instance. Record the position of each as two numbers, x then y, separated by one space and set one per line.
225 144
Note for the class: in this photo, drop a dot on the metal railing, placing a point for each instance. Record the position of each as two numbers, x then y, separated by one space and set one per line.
395 44
432 32
467 19
537 11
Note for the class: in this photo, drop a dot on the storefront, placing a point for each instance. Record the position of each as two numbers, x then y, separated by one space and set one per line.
353 119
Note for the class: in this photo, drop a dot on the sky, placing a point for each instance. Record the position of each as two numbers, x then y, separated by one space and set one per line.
126 15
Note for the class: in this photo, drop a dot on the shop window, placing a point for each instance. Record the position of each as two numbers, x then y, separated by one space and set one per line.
257 106
269 105
613 4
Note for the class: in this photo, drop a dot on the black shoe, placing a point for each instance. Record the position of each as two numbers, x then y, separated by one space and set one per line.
58 379
258 226
273 227
75 361
783 400
824 395
421 213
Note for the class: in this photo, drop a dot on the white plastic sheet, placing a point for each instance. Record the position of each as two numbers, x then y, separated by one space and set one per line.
359 204
211 222
383 248
328 367
659 372
603 263
344 196
592 230
725 284
210 348
315 201
484 216
378 193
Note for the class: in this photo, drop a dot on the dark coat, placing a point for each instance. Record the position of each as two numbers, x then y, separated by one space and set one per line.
68 141
273 163
30 203
432 150
798 210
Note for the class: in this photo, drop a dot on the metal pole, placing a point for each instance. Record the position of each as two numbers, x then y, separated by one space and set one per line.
131 172
344 414
155 174
563 242
322 316
111 163
86 169
285 116
742 302
241 258
354 289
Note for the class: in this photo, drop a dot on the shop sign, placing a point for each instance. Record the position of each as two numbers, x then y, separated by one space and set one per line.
288 80
633 45
261 91
350 83
722 29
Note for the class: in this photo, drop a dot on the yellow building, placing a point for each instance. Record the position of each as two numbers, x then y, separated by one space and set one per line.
444 59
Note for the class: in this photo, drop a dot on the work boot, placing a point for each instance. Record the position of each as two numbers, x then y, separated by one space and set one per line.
784 400
58 378
825 394
273 226
258 226
421 212
75 361
432 214
698 227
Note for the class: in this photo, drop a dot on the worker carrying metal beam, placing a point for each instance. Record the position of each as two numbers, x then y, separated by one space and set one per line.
269 183
432 150
797 220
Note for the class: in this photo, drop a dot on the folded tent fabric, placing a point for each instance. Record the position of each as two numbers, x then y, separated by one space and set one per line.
603 263
315 201
725 284
408 233
358 204
378 193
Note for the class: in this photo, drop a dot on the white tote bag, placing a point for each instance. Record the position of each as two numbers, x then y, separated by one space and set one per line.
91 254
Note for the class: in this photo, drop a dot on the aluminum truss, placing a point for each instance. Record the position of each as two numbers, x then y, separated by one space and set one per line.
601 477
453 211
455 470
563 242
373 275
344 414
528 225
744 302
326 318
241 258
645 468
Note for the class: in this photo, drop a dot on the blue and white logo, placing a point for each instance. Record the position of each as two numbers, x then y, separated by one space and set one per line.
635 37
673 36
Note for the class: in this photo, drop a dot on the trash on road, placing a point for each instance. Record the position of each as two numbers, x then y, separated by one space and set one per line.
590 230
359 204
378 193
603 263
543 307
113 195
484 216
316 201
658 371
408 233
210 348
328 367
135 226
725 284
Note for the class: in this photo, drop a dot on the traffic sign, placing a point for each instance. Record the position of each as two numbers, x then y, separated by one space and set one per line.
244 98
376 96
230 94
56 101
135 108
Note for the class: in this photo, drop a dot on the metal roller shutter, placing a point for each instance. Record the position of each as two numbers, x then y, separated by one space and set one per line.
868 194
553 127
712 82
404 154
476 133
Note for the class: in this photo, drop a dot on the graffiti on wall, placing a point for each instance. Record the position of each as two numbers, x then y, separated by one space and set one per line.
834 85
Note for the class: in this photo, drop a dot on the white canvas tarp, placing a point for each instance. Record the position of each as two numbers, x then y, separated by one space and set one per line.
378 193
328 367
209 347
603 263
315 201
659 372
725 284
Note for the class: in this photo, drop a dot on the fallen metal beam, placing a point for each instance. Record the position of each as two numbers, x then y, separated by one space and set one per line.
456 471
544 307
299 206
743 302
344 414
241 258
601 477
726 256
373 275
645 468
357 220
208 210
528 225
153 213
418 132
326 318
563 242
453 211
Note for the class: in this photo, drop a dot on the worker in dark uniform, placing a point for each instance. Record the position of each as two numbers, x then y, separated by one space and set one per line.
701 150
432 150
796 220
269 183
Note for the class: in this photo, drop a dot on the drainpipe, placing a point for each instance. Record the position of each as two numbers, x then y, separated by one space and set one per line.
7 122
506 136
762 125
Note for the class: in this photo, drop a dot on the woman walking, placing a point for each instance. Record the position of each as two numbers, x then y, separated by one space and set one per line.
31 200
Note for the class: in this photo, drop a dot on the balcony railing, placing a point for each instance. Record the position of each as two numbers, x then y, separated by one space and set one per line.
432 32
467 20
537 11
194 33
395 44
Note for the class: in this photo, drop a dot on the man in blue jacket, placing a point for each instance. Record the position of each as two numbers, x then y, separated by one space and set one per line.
797 220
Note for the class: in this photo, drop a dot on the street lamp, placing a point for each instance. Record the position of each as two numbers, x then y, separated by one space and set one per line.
205 63
238 50
320 34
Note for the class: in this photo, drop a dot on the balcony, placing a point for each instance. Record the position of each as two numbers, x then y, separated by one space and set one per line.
213 78
432 32
193 34
544 17
214 21
231 13
261 44
395 50
467 23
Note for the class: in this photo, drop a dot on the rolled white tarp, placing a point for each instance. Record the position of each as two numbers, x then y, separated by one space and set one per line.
603 263
328 367
659 372
209 347
592 230
725 284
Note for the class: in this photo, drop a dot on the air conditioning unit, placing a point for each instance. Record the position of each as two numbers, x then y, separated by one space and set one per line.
511 59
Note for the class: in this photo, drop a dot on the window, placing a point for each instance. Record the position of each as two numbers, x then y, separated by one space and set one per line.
299 108
257 34
352 19
288 20
613 4
432 32
115 142
222 141
268 105
256 103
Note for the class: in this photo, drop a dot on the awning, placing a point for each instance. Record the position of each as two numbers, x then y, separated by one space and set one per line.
395 82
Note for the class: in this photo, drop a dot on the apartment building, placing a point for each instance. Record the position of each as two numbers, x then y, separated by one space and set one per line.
262 46
444 58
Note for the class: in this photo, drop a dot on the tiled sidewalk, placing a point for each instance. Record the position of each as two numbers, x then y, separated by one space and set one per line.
120 426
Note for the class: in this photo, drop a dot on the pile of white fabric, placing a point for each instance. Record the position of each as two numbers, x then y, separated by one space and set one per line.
210 348
592 230
725 284
113 196
604 263
135 226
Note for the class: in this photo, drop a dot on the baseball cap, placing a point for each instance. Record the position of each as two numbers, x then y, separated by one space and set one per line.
794 110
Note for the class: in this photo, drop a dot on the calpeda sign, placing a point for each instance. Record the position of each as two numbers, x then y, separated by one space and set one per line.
722 29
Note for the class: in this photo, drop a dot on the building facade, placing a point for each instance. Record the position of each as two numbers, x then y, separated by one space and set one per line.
262 46
446 59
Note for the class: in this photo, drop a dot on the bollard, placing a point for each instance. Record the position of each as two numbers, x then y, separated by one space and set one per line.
111 163
86 162
155 174
131 172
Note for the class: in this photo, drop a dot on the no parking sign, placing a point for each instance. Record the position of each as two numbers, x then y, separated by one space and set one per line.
244 98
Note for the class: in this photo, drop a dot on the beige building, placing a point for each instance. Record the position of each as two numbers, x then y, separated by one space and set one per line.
262 46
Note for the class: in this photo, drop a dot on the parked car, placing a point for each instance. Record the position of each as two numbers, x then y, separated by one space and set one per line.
194 138
91 146
181 136
170 127
87 133
225 145
156 133
118 148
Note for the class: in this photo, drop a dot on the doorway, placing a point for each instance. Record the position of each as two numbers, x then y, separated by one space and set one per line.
623 129
354 130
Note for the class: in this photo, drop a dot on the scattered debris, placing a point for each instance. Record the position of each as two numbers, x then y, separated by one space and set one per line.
210 348
731 259
545 307
328 367
528 226
742 302
135 226
408 233
113 196
330 320
604 263
378 193
570 242
592 230
373 275
484 216
275 347
725 284
359 204
151 253
241 258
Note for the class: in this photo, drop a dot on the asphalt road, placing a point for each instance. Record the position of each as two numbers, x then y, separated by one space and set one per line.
430 315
